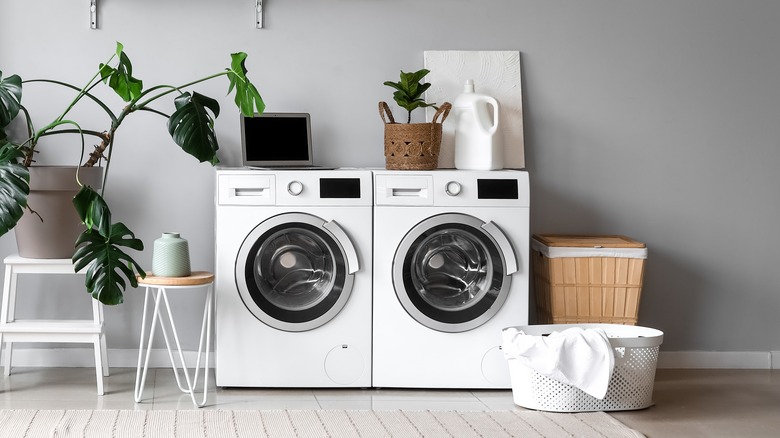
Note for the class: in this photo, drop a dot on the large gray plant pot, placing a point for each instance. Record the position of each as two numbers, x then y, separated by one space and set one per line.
52 189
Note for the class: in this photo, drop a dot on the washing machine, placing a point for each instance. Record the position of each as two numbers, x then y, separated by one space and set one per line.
451 271
293 278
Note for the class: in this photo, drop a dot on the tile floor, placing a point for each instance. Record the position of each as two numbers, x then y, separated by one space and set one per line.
689 403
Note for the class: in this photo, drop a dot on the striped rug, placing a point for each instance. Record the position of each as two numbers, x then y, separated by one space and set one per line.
306 423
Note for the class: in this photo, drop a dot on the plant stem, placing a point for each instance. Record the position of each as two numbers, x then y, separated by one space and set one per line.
98 152
93 98
101 135
30 127
172 89
83 91
108 162
152 110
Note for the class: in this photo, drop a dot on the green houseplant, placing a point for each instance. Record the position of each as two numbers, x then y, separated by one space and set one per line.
412 146
101 246
409 91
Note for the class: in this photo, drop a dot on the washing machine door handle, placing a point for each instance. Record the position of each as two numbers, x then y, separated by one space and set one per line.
503 243
346 244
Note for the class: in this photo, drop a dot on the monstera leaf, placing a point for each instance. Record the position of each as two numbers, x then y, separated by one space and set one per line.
100 250
247 97
93 210
121 79
10 99
192 126
14 187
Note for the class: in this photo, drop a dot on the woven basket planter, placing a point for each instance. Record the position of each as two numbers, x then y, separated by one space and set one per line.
412 146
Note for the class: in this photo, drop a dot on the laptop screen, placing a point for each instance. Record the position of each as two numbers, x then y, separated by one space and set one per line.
276 139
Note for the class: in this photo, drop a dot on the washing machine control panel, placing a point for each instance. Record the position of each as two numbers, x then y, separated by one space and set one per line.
451 188
255 187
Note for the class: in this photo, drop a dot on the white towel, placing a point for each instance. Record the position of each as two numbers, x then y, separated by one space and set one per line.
579 357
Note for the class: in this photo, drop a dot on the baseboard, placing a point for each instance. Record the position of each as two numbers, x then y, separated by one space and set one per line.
719 359
85 357
775 360
128 358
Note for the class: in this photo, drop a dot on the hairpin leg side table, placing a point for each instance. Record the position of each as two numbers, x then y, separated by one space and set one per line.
156 291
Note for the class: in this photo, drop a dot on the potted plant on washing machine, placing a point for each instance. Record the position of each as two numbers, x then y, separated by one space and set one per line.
412 146
99 247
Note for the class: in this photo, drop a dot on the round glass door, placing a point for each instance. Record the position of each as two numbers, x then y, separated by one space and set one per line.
449 273
292 273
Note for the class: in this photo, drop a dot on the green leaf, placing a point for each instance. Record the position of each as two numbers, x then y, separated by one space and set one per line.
247 98
99 249
14 187
409 91
121 79
10 98
404 80
192 127
395 85
400 97
93 210
108 265
418 75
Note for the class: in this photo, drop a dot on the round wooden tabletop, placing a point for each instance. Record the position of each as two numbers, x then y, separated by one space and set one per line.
196 278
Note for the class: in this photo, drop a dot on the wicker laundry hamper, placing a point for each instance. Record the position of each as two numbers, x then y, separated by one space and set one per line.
412 146
587 279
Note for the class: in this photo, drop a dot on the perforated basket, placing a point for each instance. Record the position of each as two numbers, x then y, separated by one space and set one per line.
631 385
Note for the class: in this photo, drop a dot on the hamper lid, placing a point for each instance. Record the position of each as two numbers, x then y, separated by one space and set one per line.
579 241
563 245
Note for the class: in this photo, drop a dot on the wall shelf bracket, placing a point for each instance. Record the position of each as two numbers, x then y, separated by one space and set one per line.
259 14
93 14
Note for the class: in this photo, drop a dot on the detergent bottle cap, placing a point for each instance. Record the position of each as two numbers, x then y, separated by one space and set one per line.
468 86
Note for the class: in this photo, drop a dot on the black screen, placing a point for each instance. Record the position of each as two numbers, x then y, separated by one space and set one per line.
497 189
340 188
276 138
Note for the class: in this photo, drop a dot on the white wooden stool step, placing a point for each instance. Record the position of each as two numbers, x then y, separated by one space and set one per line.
47 330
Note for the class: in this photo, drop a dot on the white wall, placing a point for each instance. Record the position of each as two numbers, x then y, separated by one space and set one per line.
658 120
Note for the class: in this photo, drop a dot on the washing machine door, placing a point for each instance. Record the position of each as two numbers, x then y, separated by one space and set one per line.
452 272
295 271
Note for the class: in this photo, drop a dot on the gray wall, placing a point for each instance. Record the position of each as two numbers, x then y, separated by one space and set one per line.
659 120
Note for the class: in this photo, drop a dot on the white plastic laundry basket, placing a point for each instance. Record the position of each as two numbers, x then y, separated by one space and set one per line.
631 385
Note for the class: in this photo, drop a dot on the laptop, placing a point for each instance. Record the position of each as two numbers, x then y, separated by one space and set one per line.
277 141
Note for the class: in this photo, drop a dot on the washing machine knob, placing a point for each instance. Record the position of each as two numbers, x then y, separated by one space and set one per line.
295 188
452 188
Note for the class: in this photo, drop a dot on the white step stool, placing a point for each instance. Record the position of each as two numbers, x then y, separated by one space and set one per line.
39 330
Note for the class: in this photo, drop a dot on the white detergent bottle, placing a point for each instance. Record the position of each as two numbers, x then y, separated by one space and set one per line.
477 139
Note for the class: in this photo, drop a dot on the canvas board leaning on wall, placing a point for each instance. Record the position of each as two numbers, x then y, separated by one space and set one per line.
496 74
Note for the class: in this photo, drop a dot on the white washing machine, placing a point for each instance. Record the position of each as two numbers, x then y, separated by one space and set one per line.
293 278
451 271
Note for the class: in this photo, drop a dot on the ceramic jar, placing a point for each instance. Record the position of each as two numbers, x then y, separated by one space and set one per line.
171 256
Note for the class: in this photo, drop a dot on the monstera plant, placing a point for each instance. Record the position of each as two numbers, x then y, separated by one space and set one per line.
101 246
